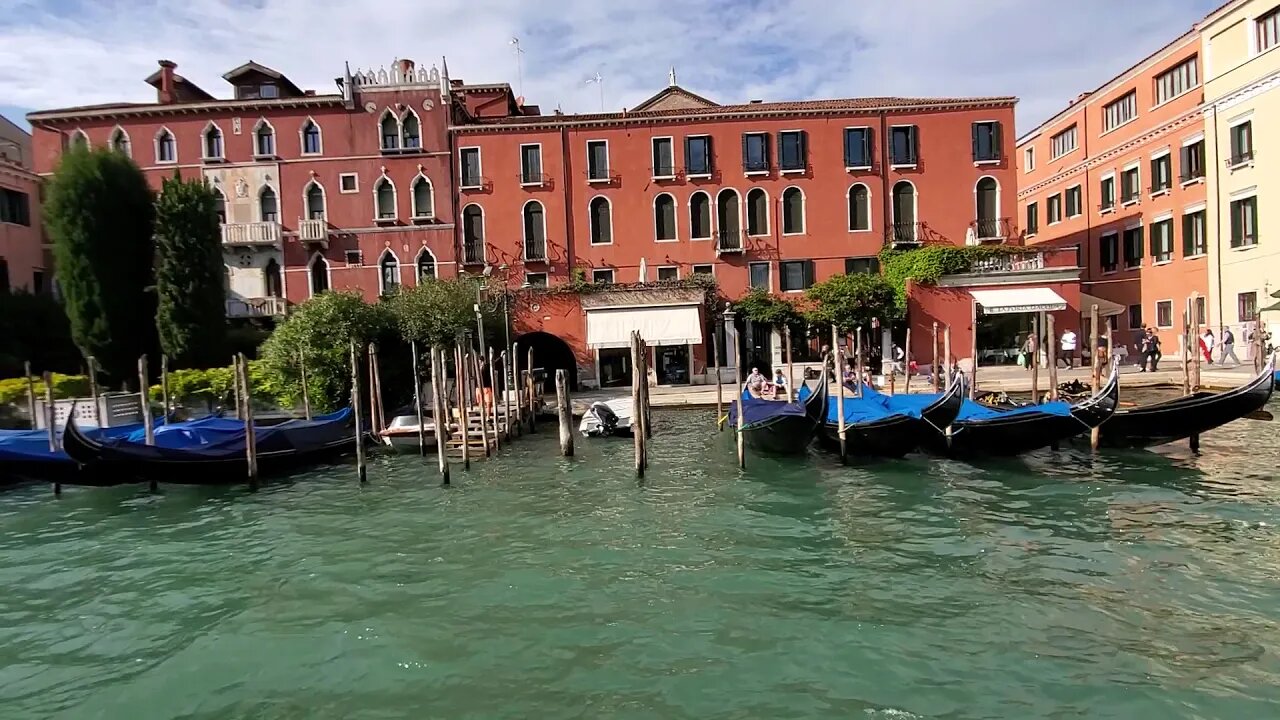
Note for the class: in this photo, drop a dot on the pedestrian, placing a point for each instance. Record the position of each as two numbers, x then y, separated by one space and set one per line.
1151 350
1029 349
1206 345
1139 337
1228 346
1068 347
484 393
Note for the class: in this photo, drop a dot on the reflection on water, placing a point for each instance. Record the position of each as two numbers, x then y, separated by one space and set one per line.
1061 584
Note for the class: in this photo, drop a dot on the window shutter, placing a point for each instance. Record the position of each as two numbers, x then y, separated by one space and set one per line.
1236 229
973 132
707 153
688 153
804 148
746 158
1137 246
997 149
808 273
866 147
848 148
781 152
768 157
915 143
1187 245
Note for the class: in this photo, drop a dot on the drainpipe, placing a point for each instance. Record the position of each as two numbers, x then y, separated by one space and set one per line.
1086 257
1217 219
885 190
566 178
455 195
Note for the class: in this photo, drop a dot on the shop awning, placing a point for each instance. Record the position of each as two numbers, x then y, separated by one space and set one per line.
1018 300
660 325
1106 308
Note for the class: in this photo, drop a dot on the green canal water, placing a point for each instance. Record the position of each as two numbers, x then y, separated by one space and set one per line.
1134 585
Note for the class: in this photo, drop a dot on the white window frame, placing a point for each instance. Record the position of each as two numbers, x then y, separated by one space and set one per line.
1130 97
324 199
1119 251
83 136
660 268
382 289
530 183
1074 129
1146 241
804 209
388 113
793 171
711 217
1157 317
1048 205
1066 206
1029 159
999 150
1137 197
768 214
346 256
844 133
354 189
1173 237
484 232
710 160
693 269
591 220
915 203
302 138
1155 81
675 219
204 143
889 150
413 197
1115 194
395 200
1164 152
328 272
417 260
768 155
768 266
524 230
403 116
118 132
1202 209
849 216
546 279
258 202
479 168
791 260
671 144
275 146
608 177
613 275
156 146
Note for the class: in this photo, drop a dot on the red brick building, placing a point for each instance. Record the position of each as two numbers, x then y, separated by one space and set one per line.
405 172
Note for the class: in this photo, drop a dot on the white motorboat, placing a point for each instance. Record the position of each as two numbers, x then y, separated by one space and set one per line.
402 433
604 418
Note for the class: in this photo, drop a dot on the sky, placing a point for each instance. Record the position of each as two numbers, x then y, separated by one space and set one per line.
58 53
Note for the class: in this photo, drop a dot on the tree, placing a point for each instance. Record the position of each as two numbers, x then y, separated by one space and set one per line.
760 307
848 301
34 328
437 312
322 329
191 302
99 214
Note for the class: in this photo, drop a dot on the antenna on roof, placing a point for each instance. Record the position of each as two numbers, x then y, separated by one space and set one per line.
671 77
515 42
598 79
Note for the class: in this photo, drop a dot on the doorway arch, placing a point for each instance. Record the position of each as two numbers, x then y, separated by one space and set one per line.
550 353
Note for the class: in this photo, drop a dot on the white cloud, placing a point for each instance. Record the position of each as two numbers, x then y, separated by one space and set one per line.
72 52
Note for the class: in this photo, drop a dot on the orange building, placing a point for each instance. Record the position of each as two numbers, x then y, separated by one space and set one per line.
22 257
1120 175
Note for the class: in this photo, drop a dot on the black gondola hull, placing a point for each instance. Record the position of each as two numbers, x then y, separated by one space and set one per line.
890 438
789 434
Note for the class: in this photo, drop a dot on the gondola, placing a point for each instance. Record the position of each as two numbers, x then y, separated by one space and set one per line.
881 425
980 430
782 428
25 455
1276 376
282 448
1183 417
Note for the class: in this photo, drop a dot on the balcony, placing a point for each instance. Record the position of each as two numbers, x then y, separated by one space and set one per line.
1191 175
535 250
253 234
903 235
729 241
987 230
1009 263
473 252
257 307
1242 157
314 232
534 180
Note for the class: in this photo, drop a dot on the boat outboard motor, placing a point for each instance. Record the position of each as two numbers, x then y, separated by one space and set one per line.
605 415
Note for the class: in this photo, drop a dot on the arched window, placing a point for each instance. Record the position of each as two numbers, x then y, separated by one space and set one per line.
213 142
424 204
79 140
264 139
987 210
859 208
315 201
319 272
664 217
388 272
220 205
390 131
535 231
472 234
410 131
166 147
757 212
120 142
311 138
792 211
426 265
700 216
384 194
600 215
269 205
271 279
728 220
904 212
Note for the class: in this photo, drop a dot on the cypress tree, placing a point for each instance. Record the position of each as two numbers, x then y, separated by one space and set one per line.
99 212
191 309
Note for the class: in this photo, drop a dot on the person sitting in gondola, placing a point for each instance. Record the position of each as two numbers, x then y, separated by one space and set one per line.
779 382
755 383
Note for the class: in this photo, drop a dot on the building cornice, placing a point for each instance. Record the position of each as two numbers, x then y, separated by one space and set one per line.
12 169
1244 94
145 110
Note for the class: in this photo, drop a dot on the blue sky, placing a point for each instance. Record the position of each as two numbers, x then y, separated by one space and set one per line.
72 52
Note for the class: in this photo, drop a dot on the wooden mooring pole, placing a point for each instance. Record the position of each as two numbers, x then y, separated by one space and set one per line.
91 363
440 411
1034 360
533 395
49 416
837 359
515 389
857 350
1051 352
361 470
648 415
637 404
377 422
250 434
306 394
737 389
464 410
564 408
235 382
715 362
946 357
791 370
417 400
164 387
1095 435
474 366
1195 346
144 397
934 349
493 400
973 350
906 364
31 394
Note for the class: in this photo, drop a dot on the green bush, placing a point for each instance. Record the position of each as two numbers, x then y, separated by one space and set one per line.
35 329
926 264
849 301
14 390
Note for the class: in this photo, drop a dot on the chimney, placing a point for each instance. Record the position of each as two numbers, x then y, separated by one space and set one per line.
756 102
406 69
309 93
166 93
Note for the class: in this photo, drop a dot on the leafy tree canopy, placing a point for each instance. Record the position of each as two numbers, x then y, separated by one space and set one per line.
759 306
438 312
926 264
849 301
191 310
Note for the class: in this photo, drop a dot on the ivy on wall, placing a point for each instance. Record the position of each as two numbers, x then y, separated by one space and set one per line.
926 264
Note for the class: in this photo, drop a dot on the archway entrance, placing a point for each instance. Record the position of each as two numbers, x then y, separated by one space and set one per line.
550 353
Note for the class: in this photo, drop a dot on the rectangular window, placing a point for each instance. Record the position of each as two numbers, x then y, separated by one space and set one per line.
1247 306
1242 143
795 275
1162 241
469 161
1054 209
1193 241
1173 82
669 272
1029 159
530 164
755 152
15 207
537 280
1107 193
1133 248
1135 317
1130 186
1119 112
597 160
759 275
986 141
904 145
1201 316
353 258
868 265
857 148
602 276
1268 30
1161 173
664 161
1244 222
1073 201
703 270
1033 218
793 153
1191 159
348 183
1164 313
697 155
1063 143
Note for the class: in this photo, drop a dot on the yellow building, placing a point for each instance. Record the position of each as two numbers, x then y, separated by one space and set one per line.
1241 47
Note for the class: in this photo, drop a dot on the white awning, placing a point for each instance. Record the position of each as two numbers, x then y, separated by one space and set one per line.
1106 308
1018 300
661 325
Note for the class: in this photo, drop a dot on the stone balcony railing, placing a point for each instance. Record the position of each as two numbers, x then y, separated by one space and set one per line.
313 230
256 307
254 234
1010 263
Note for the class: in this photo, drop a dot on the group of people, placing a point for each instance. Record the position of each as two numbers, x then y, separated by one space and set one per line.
759 385
1147 345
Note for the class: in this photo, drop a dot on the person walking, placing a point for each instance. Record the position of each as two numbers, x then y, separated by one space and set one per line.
1029 349
1206 345
1228 347
1068 346
1151 350
1140 337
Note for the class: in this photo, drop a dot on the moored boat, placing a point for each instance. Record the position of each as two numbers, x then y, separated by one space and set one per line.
882 425
402 432
607 417
777 427
1181 418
